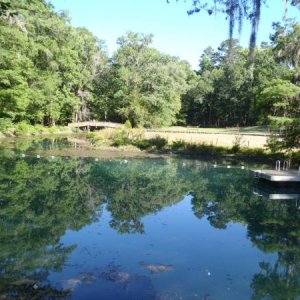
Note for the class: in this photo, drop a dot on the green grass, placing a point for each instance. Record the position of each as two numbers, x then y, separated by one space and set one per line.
130 137
255 130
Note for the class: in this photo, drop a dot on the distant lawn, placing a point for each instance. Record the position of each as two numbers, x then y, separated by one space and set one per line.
253 130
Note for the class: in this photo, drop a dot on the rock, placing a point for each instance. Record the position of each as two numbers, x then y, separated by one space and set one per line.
153 268
23 281
113 273
73 282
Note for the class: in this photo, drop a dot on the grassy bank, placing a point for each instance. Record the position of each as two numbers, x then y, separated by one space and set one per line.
176 140
8 129
130 139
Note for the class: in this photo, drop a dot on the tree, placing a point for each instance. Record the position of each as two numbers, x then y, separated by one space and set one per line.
286 41
236 11
146 86
278 102
46 66
220 95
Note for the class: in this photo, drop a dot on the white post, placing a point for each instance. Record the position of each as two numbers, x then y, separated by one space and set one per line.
277 165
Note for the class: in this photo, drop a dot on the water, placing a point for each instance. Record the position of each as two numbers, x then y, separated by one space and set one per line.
160 228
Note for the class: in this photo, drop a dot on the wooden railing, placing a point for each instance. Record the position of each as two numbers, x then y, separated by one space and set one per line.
95 124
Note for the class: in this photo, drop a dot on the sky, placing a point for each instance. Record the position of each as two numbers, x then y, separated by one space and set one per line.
175 32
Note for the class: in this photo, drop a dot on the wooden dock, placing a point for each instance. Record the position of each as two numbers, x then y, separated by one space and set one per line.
277 194
292 176
95 124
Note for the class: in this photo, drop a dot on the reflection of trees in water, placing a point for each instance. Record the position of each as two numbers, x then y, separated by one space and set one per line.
273 227
276 228
41 199
142 187
279 281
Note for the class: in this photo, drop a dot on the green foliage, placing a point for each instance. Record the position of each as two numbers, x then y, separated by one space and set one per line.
52 129
220 95
276 99
295 158
274 143
5 124
121 138
91 135
24 128
52 73
287 43
237 142
158 142
178 145
146 86
127 124
39 129
47 67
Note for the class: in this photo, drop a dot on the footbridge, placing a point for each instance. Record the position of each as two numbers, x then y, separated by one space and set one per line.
94 125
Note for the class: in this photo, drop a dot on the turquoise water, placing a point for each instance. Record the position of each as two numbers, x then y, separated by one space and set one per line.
164 228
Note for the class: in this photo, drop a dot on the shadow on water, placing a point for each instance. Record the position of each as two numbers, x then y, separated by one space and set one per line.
42 199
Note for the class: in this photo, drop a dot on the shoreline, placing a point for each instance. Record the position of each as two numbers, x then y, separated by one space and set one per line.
84 148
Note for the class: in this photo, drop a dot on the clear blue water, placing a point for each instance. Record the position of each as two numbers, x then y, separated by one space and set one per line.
164 228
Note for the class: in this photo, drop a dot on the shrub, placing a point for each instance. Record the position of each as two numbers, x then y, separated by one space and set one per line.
295 158
273 143
142 144
52 129
128 124
120 138
91 135
237 143
23 128
5 124
178 145
39 128
158 142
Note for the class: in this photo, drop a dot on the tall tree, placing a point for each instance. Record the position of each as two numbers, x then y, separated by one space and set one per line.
147 85
46 65
236 12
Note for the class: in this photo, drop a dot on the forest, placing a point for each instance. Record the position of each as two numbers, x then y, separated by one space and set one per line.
52 73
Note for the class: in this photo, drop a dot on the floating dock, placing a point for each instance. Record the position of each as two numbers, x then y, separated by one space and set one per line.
276 176
276 194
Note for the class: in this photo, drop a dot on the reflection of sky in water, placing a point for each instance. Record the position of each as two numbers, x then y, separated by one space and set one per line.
204 260
170 212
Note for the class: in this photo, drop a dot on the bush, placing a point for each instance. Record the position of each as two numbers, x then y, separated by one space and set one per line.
128 124
158 142
23 128
238 139
142 144
273 143
120 138
91 135
39 128
296 159
5 124
178 145
52 129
